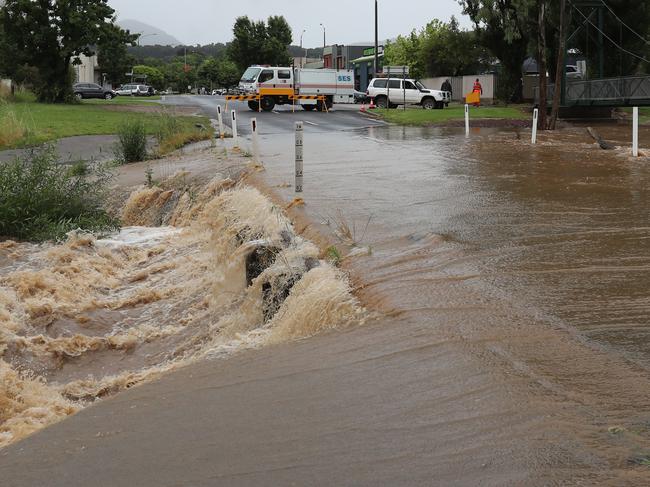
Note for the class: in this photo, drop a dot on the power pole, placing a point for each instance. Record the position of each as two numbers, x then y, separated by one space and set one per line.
376 40
541 63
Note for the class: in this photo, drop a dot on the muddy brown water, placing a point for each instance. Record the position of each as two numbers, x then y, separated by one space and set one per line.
510 344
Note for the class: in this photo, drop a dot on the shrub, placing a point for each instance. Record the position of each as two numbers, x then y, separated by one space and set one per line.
132 141
172 134
12 128
41 199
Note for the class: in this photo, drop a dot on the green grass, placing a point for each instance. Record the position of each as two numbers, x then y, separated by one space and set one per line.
45 122
644 113
419 116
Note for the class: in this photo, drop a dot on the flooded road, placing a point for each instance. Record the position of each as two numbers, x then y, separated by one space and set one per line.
505 342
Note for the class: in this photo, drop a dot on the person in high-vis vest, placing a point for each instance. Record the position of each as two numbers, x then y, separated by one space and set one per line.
477 89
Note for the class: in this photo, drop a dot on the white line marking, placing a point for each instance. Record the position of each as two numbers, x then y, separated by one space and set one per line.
311 123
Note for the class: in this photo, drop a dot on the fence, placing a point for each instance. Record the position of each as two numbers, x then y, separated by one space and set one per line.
462 85
604 92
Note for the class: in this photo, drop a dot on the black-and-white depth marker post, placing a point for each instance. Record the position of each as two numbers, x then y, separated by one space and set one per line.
533 137
466 120
233 117
635 131
256 145
220 120
299 154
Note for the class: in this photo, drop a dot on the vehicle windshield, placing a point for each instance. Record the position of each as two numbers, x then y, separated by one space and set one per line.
250 75
420 85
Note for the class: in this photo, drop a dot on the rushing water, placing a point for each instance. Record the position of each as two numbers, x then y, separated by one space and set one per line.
88 318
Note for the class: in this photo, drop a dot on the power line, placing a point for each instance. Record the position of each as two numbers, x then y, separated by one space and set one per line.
607 37
628 27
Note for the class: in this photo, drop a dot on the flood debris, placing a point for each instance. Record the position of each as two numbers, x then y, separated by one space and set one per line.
601 142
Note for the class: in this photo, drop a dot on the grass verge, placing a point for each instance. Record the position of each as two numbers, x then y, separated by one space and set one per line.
418 116
123 100
41 199
46 122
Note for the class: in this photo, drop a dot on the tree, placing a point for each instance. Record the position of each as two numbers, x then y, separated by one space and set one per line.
260 42
405 51
503 27
154 76
228 74
112 54
50 35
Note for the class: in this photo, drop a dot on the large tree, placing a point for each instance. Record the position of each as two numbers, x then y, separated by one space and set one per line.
50 35
260 42
112 53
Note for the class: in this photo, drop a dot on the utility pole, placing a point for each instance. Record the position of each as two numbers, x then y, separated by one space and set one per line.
324 41
376 40
301 49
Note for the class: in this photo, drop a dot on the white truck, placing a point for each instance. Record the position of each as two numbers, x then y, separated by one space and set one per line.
390 92
265 86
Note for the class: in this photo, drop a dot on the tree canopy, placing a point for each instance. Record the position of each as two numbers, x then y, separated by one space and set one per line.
50 35
260 42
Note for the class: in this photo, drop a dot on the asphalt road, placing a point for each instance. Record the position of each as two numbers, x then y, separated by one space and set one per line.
282 119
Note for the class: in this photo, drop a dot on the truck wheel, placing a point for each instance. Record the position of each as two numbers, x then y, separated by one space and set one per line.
253 105
308 108
429 104
394 105
268 103
381 102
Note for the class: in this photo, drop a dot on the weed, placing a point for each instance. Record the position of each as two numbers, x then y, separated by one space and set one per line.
12 128
132 141
79 168
148 172
41 199
333 255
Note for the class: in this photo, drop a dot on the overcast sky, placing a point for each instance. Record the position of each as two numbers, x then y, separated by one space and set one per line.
346 21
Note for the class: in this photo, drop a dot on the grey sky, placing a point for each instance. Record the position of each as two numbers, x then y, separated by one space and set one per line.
346 21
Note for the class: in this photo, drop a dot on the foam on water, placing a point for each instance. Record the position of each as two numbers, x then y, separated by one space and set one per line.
88 318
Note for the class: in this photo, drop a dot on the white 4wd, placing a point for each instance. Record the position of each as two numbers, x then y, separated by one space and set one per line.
409 90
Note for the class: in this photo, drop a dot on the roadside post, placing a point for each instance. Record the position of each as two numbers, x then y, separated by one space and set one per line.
466 120
299 154
220 120
233 115
635 131
256 146
388 90
404 85
533 138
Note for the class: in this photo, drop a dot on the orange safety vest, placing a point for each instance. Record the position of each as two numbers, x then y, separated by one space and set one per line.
477 87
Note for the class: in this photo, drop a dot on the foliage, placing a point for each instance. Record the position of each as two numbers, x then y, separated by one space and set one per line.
49 35
260 42
504 28
154 76
439 49
12 127
171 134
112 55
41 199
132 141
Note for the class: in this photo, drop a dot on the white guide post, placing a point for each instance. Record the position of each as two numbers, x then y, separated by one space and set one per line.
220 120
256 145
299 154
233 115
635 131
533 137
466 120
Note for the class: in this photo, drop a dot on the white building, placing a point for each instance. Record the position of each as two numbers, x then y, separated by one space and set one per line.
88 70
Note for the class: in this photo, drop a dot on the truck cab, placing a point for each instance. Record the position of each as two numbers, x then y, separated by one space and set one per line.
267 86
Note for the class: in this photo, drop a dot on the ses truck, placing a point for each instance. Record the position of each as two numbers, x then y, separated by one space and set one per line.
264 87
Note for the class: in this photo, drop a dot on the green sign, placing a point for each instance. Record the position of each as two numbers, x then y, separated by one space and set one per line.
371 51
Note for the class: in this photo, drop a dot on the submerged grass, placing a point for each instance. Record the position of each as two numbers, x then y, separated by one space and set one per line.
41 199
419 116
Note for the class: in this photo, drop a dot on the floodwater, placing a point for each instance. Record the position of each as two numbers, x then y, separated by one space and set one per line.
493 329
536 258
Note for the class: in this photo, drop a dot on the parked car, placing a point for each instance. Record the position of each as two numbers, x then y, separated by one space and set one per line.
92 90
573 72
143 90
409 90
125 90
360 97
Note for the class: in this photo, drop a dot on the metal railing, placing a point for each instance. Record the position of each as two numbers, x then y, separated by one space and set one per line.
605 91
